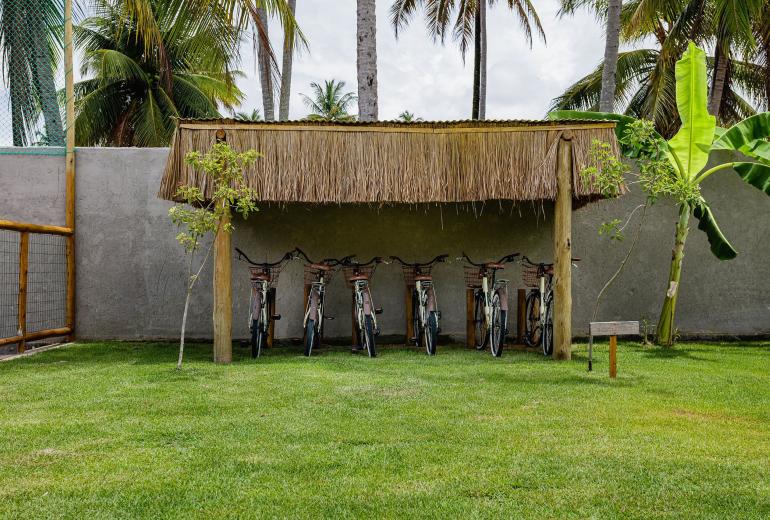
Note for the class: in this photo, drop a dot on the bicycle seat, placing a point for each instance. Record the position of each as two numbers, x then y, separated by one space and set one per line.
320 267
260 277
423 278
358 277
494 265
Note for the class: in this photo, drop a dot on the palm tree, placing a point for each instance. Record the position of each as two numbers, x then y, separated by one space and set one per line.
31 43
252 116
286 68
264 66
408 117
132 98
366 61
470 22
329 103
645 78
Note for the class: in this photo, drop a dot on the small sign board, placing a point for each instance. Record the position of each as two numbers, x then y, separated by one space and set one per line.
612 329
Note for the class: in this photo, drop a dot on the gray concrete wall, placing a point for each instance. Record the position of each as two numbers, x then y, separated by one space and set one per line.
131 271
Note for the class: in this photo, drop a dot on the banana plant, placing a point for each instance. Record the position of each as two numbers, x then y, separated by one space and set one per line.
688 153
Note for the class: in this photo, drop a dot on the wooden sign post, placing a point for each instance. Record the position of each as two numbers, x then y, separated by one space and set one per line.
613 329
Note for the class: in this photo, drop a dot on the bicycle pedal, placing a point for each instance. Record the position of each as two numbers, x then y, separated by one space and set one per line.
329 318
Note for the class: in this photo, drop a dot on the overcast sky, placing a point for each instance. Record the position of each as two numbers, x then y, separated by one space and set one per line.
429 79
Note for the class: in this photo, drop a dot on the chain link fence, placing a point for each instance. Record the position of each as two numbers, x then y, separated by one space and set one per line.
32 58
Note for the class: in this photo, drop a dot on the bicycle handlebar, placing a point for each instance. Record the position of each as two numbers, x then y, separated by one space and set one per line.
504 260
439 258
348 262
243 257
538 264
326 261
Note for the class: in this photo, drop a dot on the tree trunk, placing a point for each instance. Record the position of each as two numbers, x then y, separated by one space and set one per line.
609 72
46 89
476 65
718 80
265 72
483 59
367 60
288 62
184 326
665 331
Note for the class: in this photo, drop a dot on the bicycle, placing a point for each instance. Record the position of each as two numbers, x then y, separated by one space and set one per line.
263 277
539 304
317 275
425 315
357 276
490 302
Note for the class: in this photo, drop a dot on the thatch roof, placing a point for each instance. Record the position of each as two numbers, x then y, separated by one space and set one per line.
390 162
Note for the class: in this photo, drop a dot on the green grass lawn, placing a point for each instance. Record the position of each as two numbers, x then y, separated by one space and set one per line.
111 430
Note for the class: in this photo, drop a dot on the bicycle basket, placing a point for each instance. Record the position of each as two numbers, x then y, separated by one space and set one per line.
311 275
356 270
272 273
410 272
472 276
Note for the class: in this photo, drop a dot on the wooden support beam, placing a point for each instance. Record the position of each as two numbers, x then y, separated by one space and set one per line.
521 315
69 163
34 336
34 228
270 314
223 292
354 339
408 306
22 305
470 324
562 251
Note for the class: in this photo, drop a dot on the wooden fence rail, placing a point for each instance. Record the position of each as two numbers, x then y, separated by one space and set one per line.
23 335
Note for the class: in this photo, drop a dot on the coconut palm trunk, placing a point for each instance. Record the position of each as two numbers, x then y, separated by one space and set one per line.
665 330
482 59
612 44
46 88
288 62
366 45
265 74
721 60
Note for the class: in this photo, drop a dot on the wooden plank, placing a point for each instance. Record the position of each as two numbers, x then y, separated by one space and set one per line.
26 227
614 328
34 336
521 315
613 357
223 292
22 304
69 162
470 324
562 245
408 297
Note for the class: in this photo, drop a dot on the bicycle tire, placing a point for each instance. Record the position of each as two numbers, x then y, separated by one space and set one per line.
310 337
257 342
548 327
533 333
496 329
480 340
368 334
431 334
416 328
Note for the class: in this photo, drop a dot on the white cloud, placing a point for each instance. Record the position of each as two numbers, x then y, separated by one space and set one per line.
429 79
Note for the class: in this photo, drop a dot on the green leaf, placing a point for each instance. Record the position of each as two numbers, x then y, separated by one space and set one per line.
708 224
692 143
748 137
758 175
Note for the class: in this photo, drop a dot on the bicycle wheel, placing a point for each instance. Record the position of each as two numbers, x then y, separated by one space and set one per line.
496 329
431 334
368 336
416 320
310 336
548 326
258 338
533 333
480 325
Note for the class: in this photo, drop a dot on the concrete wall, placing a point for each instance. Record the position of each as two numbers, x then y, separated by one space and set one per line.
131 273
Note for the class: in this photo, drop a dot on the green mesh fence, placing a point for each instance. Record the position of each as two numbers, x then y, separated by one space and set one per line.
32 98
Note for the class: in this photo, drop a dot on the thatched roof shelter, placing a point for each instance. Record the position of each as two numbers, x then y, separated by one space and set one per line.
391 162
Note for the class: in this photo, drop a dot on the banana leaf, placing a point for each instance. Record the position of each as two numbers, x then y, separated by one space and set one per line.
720 247
758 175
748 137
692 143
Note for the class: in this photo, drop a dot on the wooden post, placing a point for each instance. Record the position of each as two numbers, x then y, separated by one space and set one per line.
223 293
69 164
562 246
521 315
408 302
22 305
613 357
470 323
